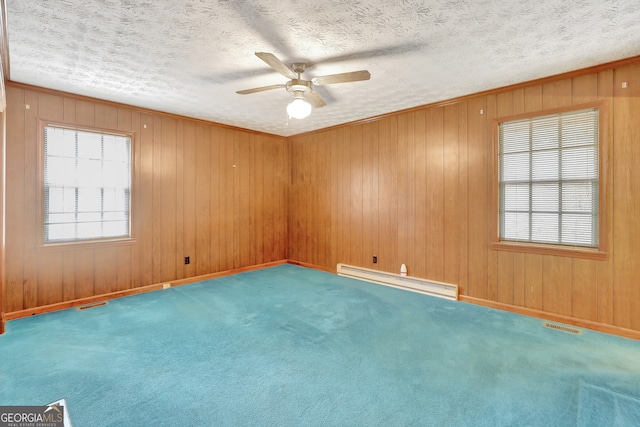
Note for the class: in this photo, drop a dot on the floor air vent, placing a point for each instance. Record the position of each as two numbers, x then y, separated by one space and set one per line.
415 284
562 328
92 305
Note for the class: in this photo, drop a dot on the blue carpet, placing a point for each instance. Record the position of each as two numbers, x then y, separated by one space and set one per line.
289 346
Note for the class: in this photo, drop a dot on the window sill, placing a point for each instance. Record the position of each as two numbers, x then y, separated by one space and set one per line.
556 250
81 245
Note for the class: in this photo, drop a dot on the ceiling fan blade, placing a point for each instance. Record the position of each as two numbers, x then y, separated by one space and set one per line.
315 99
273 62
259 89
353 76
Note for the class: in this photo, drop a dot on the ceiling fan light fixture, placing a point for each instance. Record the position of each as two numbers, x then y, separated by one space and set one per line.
299 108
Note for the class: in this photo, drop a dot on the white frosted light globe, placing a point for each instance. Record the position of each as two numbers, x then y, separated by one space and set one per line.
298 108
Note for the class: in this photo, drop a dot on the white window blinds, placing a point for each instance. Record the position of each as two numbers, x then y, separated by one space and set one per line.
549 179
87 180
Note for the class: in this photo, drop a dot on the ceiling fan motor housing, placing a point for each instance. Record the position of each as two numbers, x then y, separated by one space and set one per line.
297 85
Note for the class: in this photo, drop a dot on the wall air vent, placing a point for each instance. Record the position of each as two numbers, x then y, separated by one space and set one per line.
92 305
561 327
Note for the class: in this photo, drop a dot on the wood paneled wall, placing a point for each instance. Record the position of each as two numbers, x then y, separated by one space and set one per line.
2 213
415 188
213 193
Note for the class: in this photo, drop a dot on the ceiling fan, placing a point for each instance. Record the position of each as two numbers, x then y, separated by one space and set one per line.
303 94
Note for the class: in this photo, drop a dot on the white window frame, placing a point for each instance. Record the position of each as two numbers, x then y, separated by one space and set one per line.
595 250
119 238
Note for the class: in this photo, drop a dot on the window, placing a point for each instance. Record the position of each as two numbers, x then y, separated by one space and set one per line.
549 179
87 185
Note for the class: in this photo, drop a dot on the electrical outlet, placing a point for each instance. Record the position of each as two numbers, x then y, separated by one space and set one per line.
375 259
187 260
166 285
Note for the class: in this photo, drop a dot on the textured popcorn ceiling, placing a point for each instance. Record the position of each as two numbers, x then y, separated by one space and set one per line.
189 57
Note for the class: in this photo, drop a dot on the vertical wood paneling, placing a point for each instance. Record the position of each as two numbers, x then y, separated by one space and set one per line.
49 280
370 192
435 194
203 194
68 276
297 211
491 113
411 188
344 248
533 281
434 179
105 116
31 228
519 279
187 192
322 231
451 188
356 204
105 268
179 173
269 194
518 101
168 257
179 197
234 202
626 177
313 178
227 189
124 257
334 178
556 284
145 213
406 186
85 113
584 304
584 89
215 244
556 94
463 210
242 215
420 213
158 194
388 211
310 220
477 170
504 263
605 269
253 240
85 274
281 154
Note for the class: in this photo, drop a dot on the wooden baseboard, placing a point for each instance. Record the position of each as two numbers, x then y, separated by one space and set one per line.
313 266
112 295
586 324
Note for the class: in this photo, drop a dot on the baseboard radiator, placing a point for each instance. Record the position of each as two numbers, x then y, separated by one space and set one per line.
415 284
